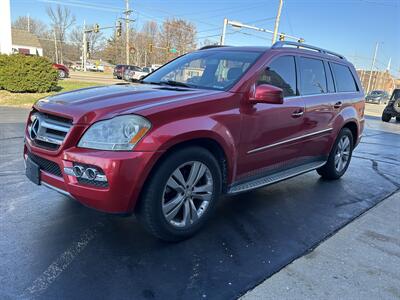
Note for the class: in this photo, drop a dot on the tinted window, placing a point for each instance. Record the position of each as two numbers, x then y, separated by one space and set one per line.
312 76
281 73
343 78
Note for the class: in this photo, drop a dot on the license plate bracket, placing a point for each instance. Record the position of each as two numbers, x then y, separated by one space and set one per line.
32 171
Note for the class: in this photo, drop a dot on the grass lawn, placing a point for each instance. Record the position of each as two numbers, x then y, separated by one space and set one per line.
27 99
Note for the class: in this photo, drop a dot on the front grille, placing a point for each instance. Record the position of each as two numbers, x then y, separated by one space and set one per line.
48 131
46 165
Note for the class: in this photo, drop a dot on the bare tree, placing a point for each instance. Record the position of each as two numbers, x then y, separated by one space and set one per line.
62 19
36 27
96 40
178 34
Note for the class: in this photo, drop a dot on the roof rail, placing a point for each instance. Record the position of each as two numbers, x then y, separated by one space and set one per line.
281 44
211 46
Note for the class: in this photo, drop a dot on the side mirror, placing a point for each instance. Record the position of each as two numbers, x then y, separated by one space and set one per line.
265 93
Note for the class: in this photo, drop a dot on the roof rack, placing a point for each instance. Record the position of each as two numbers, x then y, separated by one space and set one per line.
282 44
211 46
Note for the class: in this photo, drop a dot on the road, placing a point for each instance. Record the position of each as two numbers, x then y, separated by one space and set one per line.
51 247
97 77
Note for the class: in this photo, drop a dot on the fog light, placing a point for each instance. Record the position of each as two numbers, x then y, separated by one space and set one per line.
78 170
91 173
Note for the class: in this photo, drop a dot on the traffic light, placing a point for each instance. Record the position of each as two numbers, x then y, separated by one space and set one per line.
150 48
173 50
118 26
281 37
87 46
96 28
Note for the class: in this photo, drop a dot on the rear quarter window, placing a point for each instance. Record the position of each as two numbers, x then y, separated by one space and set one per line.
344 79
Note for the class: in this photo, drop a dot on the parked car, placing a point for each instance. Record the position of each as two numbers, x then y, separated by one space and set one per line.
378 97
134 73
119 71
392 109
168 150
63 71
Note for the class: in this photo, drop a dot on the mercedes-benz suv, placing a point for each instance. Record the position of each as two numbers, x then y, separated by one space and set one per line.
220 120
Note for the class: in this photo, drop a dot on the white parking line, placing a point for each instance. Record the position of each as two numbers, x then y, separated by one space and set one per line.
55 269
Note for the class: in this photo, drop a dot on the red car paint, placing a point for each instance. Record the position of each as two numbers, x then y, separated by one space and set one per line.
227 118
61 67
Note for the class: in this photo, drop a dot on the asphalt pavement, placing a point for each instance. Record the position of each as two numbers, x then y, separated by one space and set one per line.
51 247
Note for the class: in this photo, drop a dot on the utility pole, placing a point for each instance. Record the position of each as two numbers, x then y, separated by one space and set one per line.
127 13
278 17
222 41
55 46
372 66
84 48
29 23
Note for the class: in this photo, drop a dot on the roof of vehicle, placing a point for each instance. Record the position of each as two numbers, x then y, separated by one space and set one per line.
280 46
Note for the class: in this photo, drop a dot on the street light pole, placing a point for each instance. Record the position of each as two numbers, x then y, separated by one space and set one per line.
222 42
278 17
127 13
372 67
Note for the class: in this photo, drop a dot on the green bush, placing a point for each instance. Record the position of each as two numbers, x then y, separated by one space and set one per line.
23 73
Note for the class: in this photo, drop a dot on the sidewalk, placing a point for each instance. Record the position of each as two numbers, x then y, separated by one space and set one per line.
361 261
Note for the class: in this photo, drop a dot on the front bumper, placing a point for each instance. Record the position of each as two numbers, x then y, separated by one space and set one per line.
126 173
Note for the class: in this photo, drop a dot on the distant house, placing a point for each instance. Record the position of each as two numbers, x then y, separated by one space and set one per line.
25 42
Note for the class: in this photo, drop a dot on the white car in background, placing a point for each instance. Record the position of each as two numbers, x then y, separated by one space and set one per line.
134 73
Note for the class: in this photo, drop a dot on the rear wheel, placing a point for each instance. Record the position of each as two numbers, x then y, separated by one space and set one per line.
181 194
61 74
386 117
398 119
340 156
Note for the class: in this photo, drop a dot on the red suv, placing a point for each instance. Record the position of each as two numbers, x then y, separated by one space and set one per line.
220 120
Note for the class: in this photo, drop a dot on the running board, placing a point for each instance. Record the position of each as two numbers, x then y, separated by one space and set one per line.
276 177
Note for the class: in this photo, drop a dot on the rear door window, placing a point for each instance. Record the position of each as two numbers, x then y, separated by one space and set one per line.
312 76
281 73
343 78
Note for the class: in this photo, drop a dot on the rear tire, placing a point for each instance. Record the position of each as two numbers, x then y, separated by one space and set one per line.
171 207
386 117
340 156
61 74
398 119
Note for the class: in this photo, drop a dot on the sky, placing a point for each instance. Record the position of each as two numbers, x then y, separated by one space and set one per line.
349 27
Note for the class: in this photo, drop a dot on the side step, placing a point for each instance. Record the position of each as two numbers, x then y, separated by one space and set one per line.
273 178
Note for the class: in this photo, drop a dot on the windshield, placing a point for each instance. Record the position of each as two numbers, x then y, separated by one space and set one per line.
205 69
376 93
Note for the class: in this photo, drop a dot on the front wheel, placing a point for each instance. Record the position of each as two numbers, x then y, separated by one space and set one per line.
386 117
340 156
397 119
181 194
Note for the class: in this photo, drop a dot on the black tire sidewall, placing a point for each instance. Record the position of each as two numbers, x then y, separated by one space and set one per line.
61 74
386 117
153 193
328 171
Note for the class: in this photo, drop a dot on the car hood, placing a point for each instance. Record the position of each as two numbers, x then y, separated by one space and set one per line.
87 105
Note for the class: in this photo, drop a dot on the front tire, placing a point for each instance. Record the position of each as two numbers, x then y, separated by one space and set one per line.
340 156
386 117
180 195
397 119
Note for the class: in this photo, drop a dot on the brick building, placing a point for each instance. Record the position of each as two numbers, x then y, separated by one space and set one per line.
380 80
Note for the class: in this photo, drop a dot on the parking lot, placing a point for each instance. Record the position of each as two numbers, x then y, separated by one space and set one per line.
52 247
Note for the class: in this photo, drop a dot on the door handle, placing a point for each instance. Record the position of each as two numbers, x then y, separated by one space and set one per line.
297 114
338 104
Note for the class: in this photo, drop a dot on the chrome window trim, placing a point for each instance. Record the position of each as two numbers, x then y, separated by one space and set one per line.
289 140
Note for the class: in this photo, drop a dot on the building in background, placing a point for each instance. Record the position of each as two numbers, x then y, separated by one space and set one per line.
380 80
25 42
5 27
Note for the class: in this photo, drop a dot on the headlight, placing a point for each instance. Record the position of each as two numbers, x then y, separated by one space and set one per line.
119 133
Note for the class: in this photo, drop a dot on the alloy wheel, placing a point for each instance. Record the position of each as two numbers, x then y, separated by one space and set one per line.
342 154
187 194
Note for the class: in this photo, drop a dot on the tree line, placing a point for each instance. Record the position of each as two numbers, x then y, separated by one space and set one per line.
151 44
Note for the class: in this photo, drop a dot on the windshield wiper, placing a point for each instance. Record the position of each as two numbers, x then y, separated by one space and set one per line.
149 82
175 83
